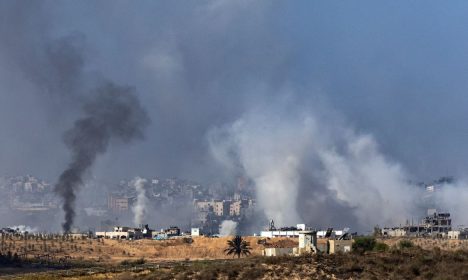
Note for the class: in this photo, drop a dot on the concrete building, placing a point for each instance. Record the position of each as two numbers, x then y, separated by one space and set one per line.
221 207
307 243
435 224
235 208
117 203
121 233
282 232
276 252
393 232
195 232
342 246
460 234
172 231
331 233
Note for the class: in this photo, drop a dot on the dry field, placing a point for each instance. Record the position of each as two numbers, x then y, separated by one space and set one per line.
428 243
113 251
409 263
92 259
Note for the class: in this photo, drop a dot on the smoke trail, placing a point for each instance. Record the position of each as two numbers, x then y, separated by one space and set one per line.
114 114
227 228
141 203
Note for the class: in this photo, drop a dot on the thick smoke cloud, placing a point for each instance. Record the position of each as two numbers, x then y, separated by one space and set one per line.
115 114
309 168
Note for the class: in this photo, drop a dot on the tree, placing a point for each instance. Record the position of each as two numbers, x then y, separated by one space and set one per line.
238 246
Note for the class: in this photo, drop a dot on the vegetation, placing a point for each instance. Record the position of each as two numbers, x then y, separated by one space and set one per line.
238 246
365 244
405 244
381 247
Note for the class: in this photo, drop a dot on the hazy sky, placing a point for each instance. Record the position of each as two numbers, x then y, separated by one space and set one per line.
395 69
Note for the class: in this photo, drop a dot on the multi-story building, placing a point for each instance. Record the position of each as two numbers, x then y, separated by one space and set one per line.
434 224
118 203
221 207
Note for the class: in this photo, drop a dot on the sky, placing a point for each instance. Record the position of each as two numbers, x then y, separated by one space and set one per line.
396 70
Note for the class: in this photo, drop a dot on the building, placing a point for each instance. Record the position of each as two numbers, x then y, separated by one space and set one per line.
282 232
172 231
393 232
195 232
118 203
460 234
275 252
309 243
435 224
342 246
121 233
221 207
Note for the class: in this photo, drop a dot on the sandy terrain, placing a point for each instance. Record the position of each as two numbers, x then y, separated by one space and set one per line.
118 250
428 244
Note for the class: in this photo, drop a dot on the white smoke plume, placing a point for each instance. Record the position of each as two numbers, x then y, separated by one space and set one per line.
453 198
141 204
228 228
24 228
315 169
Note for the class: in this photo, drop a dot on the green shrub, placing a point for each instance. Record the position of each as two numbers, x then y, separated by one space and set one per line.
405 244
381 247
363 244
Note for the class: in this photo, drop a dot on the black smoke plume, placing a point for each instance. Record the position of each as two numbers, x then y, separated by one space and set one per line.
114 114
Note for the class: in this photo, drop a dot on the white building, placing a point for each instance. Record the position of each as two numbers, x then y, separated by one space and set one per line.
195 232
284 232
121 233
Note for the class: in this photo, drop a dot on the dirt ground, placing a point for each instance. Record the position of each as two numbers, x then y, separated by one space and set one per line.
203 258
111 251
407 263
429 244
198 248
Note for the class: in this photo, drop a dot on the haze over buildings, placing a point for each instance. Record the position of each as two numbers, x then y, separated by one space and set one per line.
321 107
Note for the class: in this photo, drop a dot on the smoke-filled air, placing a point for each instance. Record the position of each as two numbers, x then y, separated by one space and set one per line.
304 165
228 228
113 115
301 112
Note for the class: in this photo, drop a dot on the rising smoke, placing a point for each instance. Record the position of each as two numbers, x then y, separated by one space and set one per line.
24 228
334 175
141 204
115 114
228 228
311 168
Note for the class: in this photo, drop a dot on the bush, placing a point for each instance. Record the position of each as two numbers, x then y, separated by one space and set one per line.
133 262
381 247
363 244
405 244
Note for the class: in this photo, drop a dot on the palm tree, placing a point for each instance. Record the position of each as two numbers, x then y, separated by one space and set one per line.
238 246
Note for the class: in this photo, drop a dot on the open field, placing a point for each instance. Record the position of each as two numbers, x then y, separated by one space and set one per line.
204 259
429 243
114 251
411 263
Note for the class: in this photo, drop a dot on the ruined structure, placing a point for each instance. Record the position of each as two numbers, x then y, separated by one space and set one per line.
435 224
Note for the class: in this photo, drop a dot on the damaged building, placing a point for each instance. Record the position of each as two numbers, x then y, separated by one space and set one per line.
311 242
435 224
